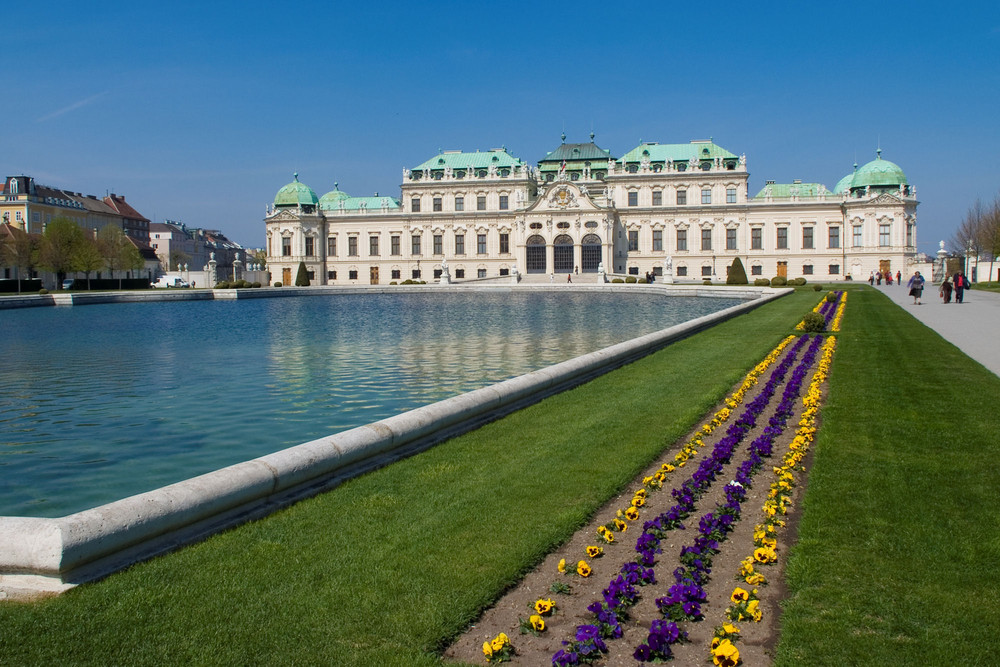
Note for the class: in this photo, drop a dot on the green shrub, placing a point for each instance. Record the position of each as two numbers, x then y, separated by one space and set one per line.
737 274
798 282
277 284
255 284
222 284
706 282
630 279
393 283
617 280
831 297
813 322
43 291
779 281
762 282
641 281
817 288
302 276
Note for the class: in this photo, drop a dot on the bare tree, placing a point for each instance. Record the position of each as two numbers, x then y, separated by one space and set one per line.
21 252
990 231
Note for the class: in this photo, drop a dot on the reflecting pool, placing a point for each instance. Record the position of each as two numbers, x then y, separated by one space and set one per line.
101 402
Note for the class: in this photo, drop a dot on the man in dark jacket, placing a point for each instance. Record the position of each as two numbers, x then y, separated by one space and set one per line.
961 284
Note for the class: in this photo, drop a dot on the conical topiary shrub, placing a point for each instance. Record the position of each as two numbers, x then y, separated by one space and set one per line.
302 277
737 274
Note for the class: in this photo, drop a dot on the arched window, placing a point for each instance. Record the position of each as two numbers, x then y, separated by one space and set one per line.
590 247
535 254
562 254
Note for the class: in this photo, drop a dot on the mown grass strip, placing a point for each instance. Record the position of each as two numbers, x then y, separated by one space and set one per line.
898 552
386 568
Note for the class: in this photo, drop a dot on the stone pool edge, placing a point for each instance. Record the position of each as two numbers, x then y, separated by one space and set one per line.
45 556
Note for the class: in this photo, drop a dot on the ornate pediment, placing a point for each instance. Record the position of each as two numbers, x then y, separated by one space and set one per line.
283 216
886 198
564 196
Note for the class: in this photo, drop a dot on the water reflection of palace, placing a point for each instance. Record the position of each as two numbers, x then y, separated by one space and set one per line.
680 208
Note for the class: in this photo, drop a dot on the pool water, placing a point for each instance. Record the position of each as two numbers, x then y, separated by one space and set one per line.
101 402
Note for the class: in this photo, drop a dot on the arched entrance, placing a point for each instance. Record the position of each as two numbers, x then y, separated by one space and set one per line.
534 254
562 255
591 250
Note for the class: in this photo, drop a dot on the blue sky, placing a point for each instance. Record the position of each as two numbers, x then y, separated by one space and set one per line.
200 112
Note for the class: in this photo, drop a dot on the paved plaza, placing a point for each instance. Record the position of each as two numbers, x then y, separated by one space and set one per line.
972 326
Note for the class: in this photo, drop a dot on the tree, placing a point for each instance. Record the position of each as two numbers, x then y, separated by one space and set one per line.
737 274
302 276
177 257
114 247
58 246
260 258
88 258
21 252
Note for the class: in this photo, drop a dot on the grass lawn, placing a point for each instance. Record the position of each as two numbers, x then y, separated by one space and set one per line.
898 538
899 551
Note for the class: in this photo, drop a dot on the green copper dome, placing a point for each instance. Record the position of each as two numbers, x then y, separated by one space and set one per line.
332 198
296 194
879 173
843 184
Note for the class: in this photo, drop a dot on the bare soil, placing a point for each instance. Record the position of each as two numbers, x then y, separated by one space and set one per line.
757 639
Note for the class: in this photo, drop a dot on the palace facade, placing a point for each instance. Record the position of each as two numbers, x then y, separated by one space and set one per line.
682 210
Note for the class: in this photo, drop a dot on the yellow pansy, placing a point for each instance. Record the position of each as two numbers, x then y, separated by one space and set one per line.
583 569
537 622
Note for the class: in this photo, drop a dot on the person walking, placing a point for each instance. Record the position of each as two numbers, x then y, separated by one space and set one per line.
945 292
916 286
878 278
871 278
961 284
899 278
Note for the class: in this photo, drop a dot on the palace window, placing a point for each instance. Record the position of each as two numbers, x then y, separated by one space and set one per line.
436 203
503 202
352 275
730 239
807 269
706 272
352 246
782 240
834 269
415 244
833 237
909 235
633 240
459 203
682 271
682 197
415 204
504 243
373 246
757 238
883 235
331 275
682 239
415 274
481 244
331 246
394 245
480 273
706 196
438 244
481 203
757 270
730 195
310 246
633 198
657 240
706 239
459 273
657 198
857 241
286 246
395 274
459 243
807 238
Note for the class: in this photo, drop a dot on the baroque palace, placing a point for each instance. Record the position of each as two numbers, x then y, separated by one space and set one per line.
680 210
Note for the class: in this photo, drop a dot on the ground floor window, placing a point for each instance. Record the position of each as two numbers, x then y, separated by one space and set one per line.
807 269
331 275
757 270
459 273
535 254
633 270
563 254
834 269
682 271
437 274
590 248
706 272
396 274
415 273
504 272
481 273
657 270
352 275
